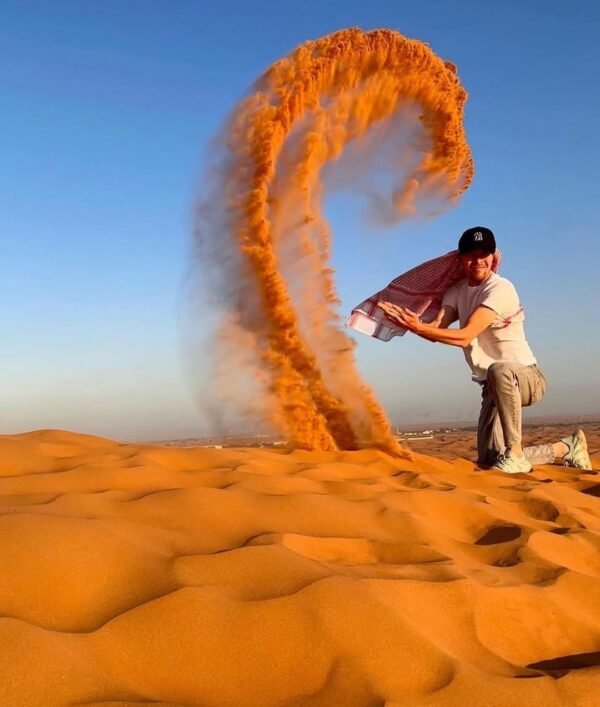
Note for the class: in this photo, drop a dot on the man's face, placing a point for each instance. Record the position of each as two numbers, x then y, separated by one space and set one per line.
477 265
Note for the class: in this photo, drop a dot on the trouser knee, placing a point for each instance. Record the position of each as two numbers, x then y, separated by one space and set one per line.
501 377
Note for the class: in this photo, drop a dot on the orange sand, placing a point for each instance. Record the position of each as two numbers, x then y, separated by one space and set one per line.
141 574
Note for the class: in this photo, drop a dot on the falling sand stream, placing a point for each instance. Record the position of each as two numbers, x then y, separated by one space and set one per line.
263 235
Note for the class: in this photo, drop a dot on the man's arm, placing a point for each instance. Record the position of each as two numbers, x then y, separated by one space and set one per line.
479 320
446 316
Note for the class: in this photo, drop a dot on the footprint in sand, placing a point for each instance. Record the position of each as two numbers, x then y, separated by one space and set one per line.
499 534
538 508
558 667
592 490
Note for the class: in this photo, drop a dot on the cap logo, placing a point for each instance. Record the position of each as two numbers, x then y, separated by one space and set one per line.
478 236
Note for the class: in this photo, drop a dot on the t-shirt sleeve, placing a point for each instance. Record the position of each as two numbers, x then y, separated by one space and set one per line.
451 298
501 297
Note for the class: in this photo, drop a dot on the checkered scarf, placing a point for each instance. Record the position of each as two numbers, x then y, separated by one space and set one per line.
420 290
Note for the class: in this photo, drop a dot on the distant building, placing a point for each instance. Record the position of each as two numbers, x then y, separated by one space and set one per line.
425 434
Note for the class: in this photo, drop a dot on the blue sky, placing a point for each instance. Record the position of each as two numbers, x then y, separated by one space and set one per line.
107 109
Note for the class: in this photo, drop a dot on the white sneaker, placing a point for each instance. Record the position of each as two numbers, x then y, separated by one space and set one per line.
510 464
577 455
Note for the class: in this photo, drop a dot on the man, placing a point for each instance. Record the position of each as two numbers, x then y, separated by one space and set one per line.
492 337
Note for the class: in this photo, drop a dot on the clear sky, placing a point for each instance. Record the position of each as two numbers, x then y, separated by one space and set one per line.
106 110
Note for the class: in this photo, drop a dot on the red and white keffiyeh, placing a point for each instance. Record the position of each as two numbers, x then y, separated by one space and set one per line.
420 290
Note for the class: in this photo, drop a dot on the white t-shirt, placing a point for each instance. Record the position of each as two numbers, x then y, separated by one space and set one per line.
504 339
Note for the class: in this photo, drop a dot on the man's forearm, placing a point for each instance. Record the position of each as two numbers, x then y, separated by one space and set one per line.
452 337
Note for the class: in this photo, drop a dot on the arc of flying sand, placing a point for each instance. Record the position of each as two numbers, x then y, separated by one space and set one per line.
351 80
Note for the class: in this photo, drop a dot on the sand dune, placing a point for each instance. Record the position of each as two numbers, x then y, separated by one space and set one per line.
138 574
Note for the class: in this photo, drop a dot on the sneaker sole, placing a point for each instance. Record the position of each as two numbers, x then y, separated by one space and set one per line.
495 468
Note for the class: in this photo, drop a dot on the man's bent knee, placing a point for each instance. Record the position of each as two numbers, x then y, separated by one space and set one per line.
499 371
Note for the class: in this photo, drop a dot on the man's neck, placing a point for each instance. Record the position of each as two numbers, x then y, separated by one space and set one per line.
479 282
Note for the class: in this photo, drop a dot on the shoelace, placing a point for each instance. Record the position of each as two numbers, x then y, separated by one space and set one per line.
501 460
567 461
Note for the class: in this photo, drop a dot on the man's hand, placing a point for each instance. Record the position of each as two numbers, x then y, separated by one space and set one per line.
401 316
479 320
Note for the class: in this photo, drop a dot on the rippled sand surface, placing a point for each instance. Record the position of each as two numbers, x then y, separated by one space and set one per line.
137 574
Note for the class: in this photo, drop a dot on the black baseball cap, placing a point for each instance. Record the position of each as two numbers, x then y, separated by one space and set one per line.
477 237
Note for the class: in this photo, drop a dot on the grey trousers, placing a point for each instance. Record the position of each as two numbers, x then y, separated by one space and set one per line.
509 387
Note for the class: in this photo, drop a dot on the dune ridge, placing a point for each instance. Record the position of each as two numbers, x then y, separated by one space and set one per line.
139 574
